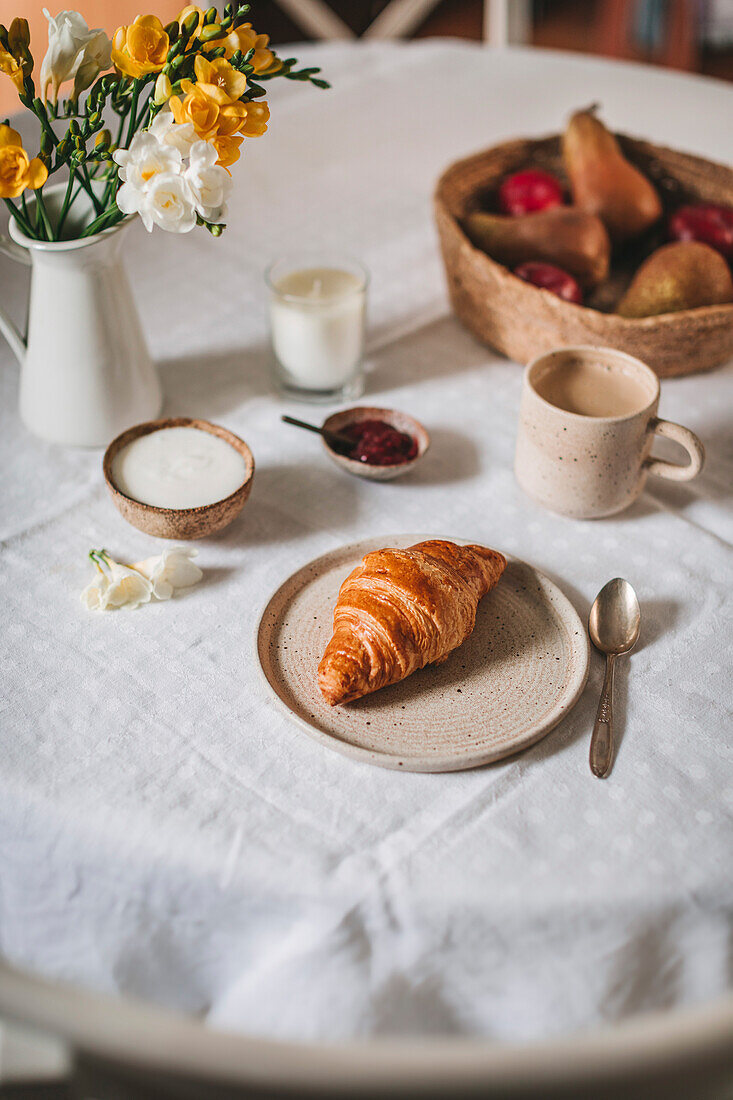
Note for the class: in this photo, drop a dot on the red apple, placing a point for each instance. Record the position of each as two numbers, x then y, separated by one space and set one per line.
551 278
531 190
706 222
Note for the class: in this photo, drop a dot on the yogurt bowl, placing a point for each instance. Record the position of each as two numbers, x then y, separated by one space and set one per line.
178 470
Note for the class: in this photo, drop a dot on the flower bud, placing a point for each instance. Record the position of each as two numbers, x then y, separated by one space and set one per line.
190 23
104 139
163 90
173 31
213 30
210 16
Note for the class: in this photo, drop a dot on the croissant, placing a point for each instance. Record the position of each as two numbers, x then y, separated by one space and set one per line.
400 610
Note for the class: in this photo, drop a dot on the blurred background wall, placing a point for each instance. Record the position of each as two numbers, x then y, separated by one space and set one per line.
695 35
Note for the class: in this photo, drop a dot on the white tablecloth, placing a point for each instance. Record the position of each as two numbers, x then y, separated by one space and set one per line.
165 831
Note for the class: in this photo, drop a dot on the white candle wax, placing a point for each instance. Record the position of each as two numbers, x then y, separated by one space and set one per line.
178 468
317 318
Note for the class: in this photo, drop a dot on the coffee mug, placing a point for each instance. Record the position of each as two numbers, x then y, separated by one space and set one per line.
587 420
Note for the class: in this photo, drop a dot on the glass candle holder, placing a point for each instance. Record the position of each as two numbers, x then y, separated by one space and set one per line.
317 326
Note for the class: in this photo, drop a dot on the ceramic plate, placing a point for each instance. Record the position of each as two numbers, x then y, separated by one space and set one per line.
515 678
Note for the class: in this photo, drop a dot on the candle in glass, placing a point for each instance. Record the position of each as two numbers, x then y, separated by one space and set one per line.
317 323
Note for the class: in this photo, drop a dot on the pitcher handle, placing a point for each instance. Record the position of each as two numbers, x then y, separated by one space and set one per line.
9 330
14 251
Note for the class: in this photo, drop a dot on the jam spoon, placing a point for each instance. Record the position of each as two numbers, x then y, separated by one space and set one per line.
614 629
337 442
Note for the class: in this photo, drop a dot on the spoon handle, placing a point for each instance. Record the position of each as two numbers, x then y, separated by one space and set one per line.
302 424
601 743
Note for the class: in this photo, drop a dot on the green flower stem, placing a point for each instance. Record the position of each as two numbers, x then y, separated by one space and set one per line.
40 111
104 221
87 185
45 220
133 111
120 129
68 199
21 220
110 192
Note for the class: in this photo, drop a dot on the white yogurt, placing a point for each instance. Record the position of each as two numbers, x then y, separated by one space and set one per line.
178 468
317 319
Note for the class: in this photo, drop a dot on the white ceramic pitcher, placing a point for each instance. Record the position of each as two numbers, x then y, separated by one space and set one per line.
86 374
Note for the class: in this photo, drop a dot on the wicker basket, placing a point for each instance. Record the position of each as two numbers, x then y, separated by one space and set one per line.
523 321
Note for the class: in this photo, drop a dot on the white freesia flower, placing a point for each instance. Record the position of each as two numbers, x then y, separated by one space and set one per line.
94 596
146 158
154 185
127 587
74 52
181 135
157 577
210 184
169 204
170 570
115 586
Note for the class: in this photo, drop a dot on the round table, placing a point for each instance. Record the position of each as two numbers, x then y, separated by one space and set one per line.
166 832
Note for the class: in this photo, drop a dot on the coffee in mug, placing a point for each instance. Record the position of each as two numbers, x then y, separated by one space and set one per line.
587 420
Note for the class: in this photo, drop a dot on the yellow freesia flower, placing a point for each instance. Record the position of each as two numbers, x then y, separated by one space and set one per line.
16 61
217 119
141 48
210 110
11 68
246 38
258 115
220 74
227 150
17 170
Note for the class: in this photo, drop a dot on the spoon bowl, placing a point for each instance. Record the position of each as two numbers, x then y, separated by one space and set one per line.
615 619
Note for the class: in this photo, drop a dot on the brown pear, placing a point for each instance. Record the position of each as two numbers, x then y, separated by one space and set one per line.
604 182
682 275
569 238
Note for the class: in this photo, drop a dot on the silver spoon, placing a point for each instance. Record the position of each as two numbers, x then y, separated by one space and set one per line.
614 629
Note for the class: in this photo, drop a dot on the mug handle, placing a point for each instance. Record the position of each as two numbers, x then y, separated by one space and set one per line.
686 439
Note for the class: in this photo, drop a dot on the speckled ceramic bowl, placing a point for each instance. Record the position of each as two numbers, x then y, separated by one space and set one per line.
399 420
179 523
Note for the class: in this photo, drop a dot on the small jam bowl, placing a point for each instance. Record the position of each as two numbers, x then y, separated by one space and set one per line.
179 523
399 420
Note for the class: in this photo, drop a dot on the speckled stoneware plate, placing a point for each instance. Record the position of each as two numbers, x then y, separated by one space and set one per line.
510 683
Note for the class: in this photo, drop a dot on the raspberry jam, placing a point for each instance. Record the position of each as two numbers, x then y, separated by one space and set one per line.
379 444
